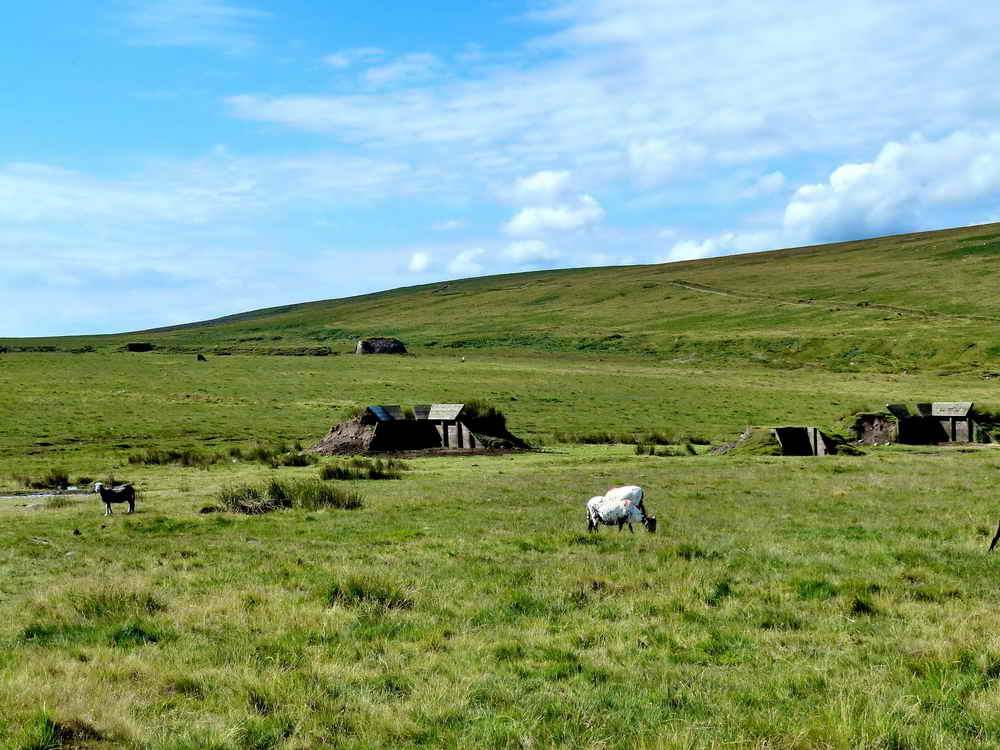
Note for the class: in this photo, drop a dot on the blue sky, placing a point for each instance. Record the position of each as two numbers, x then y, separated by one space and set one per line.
164 161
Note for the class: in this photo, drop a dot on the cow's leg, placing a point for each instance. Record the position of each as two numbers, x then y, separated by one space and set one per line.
630 529
131 506
107 509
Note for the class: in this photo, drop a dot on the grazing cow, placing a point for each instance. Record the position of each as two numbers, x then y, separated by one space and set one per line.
123 494
620 506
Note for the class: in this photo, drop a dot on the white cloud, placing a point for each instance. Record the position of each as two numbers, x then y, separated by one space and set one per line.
669 91
193 23
450 225
539 219
910 186
347 58
726 243
541 187
404 69
898 190
200 190
529 251
658 159
765 185
420 261
466 263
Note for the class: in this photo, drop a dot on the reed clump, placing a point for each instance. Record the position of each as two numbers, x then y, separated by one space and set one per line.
282 494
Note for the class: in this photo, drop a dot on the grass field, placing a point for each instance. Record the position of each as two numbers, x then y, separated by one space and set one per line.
842 602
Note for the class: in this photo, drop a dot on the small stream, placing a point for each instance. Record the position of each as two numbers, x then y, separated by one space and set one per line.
33 495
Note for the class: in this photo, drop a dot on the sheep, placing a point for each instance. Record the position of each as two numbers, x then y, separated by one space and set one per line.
123 494
619 506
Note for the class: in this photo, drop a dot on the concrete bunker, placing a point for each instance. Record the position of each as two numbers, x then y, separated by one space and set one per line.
427 427
804 441
932 423
779 441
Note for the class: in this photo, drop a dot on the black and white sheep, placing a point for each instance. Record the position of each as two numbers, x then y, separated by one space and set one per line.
123 494
618 507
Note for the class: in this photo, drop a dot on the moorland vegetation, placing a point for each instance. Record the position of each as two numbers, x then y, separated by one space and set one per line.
836 602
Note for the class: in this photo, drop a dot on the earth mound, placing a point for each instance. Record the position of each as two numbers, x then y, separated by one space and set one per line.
348 438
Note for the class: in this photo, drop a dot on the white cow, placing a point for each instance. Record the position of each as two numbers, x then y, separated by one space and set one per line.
618 507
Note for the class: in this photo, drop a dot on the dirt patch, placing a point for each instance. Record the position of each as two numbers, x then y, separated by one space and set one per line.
347 439
875 428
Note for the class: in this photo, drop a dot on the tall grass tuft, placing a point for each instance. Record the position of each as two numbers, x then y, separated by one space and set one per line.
363 468
182 457
274 455
280 494
55 478
367 590
604 437
114 603
45 733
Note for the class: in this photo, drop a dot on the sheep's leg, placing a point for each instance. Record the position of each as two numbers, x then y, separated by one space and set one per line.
996 537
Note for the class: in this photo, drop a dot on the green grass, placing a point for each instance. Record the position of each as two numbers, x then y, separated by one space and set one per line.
842 602
773 590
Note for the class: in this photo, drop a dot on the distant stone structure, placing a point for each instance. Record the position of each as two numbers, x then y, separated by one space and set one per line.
380 345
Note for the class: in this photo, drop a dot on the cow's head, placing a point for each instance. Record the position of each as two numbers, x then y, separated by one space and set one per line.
650 523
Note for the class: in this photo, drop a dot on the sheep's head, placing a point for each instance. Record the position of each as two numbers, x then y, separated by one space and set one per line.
650 523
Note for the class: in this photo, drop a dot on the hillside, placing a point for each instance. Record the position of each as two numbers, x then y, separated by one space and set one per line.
909 301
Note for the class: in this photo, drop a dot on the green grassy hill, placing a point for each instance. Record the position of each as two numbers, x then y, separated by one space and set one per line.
904 302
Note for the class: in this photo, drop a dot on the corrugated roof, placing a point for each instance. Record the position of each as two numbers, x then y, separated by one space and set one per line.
445 411
386 413
420 411
951 408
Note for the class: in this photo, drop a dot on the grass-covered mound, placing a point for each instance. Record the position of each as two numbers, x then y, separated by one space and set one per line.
489 424
755 441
